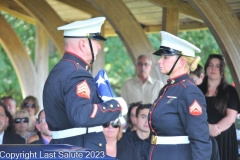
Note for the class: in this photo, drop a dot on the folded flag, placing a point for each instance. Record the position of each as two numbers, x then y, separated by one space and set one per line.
103 85
105 91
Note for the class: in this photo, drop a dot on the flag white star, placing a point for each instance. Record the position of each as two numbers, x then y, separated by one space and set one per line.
100 81
105 77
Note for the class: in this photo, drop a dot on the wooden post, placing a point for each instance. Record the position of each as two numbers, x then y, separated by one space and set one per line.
19 58
41 60
170 20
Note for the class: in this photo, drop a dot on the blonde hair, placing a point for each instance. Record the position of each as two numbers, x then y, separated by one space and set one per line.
35 102
192 62
25 114
119 135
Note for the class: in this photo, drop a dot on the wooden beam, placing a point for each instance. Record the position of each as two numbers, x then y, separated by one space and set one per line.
170 20
183 7
42 53
47 18
19 58
41 59
235 6
129 30
15 10
83 6
224 25
186 26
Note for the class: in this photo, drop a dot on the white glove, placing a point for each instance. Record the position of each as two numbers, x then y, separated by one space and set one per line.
123 104
105 98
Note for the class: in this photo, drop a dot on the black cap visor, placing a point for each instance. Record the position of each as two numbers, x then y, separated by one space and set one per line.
167 51
95 36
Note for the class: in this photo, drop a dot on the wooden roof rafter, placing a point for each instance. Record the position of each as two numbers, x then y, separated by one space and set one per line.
82 5
46 17
183 7
14 9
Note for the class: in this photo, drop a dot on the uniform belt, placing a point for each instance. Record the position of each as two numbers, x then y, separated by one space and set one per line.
169 140
75 132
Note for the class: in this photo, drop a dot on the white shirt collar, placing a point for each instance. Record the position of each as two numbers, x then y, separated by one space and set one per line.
149 79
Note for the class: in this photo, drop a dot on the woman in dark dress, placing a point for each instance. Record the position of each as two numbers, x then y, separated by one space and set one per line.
222 107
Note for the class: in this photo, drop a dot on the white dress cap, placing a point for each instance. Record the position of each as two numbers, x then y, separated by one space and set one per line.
174 45
80 29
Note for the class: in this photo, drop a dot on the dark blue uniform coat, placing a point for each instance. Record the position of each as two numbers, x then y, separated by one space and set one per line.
180 110
71 100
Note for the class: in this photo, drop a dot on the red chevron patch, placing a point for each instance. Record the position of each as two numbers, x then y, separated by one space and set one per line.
83 90
195 109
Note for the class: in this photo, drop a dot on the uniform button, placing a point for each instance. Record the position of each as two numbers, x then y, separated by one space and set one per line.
150 112
118 105
160 96
100 144
77 63
86 67
111 105
149 122
183 80
103 107
173 81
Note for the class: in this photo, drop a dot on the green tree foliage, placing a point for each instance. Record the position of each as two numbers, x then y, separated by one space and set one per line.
26 32
118 64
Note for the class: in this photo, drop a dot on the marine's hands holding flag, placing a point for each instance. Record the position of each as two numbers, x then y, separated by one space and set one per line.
105 91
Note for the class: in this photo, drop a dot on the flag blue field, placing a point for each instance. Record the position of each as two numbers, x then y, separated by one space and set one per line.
103 85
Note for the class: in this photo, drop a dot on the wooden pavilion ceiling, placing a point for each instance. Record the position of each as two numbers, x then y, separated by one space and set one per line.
147 12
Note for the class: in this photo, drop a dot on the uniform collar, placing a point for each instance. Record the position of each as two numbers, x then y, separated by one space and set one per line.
77 59
177 79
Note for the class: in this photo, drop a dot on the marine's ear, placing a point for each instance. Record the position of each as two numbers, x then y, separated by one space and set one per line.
83 44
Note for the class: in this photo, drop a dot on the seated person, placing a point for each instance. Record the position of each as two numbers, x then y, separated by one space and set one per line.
141 137
44 135
7 137
10 104
21 124
30 104
131 116
115 147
